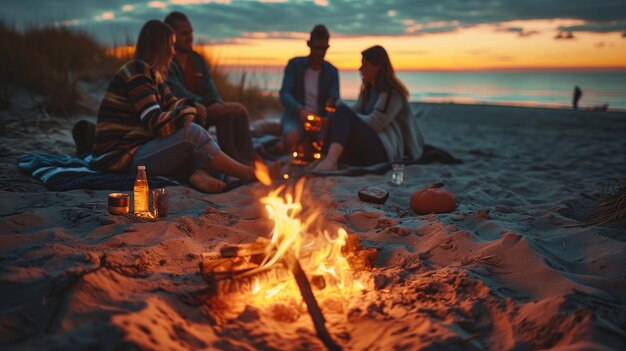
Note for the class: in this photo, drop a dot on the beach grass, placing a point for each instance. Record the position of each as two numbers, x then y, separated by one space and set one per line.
260 102
52 60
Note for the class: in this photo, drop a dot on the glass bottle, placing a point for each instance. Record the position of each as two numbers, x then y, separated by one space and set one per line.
141 199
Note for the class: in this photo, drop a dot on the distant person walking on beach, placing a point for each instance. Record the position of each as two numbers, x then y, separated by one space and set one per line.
309 85
578 93
140 122
381 127
189 76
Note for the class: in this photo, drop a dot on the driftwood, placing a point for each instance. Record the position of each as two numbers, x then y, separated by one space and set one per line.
235 268
311 303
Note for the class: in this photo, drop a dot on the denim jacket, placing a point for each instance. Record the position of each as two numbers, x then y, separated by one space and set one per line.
202 73
292 90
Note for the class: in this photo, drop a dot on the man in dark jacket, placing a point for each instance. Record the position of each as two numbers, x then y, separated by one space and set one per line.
189 76
310 84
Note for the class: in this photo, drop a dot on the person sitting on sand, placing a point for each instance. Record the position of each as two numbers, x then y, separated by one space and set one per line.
381 127
309 85
140 122
189 76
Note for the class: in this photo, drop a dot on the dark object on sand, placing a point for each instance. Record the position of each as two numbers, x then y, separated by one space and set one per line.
600 108
84 134
373 195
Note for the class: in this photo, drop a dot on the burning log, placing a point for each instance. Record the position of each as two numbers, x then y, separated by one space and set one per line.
314 309
233 269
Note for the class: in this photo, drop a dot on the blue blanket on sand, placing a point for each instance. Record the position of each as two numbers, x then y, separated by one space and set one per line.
66 172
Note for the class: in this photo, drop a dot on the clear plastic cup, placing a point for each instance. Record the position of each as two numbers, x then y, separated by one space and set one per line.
397 173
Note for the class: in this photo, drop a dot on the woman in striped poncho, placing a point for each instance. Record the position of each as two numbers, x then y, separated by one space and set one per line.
140 122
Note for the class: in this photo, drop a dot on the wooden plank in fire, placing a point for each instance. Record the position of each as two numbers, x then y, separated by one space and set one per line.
233 269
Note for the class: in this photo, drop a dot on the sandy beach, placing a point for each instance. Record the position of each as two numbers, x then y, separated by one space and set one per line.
507 270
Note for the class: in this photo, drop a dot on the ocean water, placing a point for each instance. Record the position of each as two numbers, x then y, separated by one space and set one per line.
527 88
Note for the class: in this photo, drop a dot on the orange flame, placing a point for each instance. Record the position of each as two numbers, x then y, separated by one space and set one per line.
319 253
262 173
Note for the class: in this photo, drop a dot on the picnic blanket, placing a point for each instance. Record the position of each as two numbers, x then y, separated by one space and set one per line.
66 172
430 154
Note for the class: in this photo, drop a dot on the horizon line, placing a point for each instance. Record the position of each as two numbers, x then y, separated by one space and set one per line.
611 69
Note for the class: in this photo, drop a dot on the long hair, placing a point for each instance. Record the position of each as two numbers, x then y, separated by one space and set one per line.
386 80
154 44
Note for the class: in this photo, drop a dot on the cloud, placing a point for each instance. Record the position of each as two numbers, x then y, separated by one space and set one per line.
521 32
157 4
613 26
275 35
432 27
105 16
230 19
564 35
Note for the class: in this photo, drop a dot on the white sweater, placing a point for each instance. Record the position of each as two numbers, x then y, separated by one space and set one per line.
396 125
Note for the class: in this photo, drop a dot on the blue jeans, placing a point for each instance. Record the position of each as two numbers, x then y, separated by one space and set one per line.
361 144
177 155
293 130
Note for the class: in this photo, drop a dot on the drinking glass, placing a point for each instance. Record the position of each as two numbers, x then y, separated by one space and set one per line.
397 173
160 202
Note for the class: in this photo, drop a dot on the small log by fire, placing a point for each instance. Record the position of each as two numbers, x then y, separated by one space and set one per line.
236 269
233 269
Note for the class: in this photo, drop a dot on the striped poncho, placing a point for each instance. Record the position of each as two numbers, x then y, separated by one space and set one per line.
136 109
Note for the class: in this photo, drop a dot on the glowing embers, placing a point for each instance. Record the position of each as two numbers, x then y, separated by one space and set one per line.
309 150
278 270
265 267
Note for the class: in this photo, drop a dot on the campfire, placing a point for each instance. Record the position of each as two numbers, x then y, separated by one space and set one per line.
302 256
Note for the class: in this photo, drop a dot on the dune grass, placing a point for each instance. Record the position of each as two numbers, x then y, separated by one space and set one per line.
52 60
260 103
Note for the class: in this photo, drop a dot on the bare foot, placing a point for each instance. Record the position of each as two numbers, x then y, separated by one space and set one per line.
325 165
202 181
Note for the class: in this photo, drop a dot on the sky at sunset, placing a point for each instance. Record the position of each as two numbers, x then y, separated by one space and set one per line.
420 35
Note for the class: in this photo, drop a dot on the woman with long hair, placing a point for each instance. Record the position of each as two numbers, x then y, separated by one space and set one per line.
140 122
381 127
